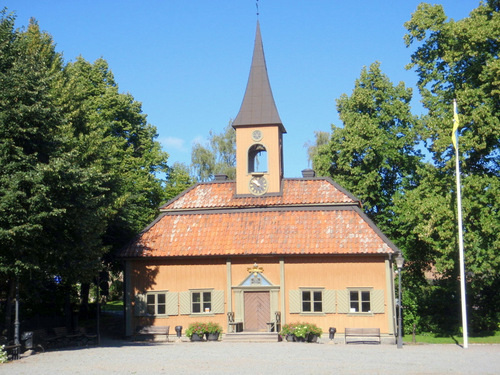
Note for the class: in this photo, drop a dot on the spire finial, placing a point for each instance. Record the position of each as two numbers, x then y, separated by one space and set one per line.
257 6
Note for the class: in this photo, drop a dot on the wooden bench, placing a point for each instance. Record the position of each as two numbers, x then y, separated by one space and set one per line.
365 335
59 337
83 338
232 325
152 331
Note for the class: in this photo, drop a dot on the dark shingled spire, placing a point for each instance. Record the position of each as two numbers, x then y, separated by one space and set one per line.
258 107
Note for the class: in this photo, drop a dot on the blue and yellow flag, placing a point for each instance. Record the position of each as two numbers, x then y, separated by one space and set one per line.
456 124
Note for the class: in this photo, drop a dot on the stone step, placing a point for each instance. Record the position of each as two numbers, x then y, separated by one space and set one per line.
251 337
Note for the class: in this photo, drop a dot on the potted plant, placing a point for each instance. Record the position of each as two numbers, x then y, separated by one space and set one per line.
315 332
196 331
301 332
287 331
213 330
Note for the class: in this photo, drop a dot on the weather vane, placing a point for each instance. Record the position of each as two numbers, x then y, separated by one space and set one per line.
257 6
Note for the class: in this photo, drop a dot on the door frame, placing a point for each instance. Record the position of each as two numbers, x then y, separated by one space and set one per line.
239 300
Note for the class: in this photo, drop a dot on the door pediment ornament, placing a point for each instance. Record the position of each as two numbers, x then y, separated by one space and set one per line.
256 277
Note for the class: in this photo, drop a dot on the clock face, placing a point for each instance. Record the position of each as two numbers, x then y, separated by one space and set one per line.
258 185
256 135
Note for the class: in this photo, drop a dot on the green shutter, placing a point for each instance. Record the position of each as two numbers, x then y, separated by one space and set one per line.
329 301
294 301
185 303
140 304
343 301
172 303
377 301
218 302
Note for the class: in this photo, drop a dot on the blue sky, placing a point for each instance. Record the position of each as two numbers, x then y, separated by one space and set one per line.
188 61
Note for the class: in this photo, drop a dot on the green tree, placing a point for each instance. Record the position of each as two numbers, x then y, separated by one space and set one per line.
459 59
78 163
218 156
29 144
320 138
114 138
374 154
28 140
178 180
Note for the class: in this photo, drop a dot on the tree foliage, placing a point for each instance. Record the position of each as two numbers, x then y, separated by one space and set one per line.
28 144
79 162
178 180
218 156
459 59
373 155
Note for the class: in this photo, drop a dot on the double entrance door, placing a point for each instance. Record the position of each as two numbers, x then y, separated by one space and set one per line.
257 310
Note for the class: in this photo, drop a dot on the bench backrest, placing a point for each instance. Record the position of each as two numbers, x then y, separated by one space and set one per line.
362 331
153 330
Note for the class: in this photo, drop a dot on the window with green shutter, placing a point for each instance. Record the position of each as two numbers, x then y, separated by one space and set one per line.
201 301
157 303
360 301
311 301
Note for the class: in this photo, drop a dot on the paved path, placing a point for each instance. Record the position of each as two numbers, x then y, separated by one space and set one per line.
123 357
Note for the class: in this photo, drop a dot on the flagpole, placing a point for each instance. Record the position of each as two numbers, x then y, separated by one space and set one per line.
460 233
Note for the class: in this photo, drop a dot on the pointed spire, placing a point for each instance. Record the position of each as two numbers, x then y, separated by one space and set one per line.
258 107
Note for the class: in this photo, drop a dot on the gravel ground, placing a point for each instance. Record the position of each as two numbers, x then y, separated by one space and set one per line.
125 357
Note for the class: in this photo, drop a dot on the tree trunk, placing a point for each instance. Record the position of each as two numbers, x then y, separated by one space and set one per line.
68 311
8 307
84 301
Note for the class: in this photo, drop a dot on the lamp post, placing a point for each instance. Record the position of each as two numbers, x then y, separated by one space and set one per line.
399 263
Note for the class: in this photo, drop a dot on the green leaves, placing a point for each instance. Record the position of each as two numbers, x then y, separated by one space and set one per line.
218 156
458 59
78 160
374 154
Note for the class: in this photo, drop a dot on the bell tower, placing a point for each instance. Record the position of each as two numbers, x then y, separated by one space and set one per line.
259 133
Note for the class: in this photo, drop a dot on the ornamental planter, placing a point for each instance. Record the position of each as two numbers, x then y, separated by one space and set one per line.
312 338
213 336
196 337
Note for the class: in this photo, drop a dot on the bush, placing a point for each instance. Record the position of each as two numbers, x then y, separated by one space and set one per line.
3 354
213 327
301 329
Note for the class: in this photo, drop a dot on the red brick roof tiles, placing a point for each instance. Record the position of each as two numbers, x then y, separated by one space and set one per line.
260 232
295 192
310 217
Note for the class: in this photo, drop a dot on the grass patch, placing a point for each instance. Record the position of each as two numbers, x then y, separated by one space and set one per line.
430 338
113 306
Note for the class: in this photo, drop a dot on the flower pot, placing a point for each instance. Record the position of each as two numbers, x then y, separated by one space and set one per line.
300 339
213 336
312 338
196 337
290 338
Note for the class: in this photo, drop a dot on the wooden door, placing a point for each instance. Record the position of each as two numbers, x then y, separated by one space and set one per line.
257 311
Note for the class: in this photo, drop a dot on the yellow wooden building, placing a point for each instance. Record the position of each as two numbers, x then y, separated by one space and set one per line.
261 244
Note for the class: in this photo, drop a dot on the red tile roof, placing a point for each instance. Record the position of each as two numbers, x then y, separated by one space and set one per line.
261 232
311 217
295 192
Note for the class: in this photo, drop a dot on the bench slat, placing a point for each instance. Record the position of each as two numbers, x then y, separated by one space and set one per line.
362 333
152 330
